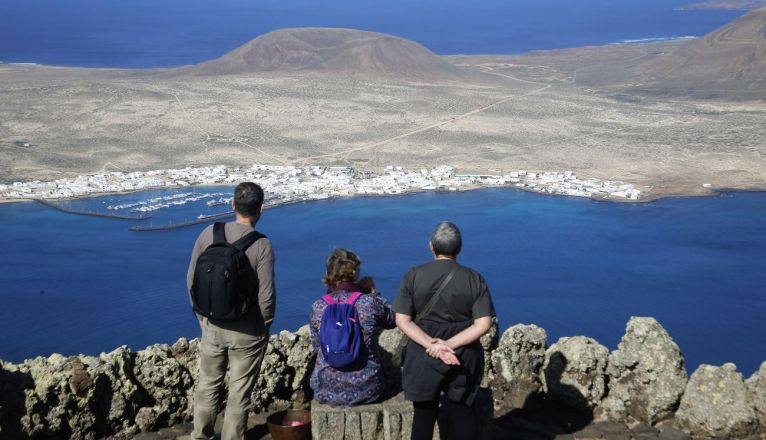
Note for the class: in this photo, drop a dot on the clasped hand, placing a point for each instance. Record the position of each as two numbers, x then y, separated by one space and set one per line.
440 350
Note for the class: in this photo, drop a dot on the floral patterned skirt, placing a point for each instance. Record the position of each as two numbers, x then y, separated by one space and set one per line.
347 388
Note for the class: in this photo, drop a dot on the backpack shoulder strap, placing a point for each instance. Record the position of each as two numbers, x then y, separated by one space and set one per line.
353 297
245 242
350 300
219 232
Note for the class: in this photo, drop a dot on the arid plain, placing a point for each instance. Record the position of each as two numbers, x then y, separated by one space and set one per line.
348 100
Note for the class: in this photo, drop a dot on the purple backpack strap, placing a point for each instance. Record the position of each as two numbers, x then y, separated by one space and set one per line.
350 300
353 297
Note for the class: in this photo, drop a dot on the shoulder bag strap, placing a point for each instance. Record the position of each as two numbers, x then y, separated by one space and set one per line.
399 351
435 297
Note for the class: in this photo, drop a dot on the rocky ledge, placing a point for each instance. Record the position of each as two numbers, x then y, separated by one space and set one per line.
536 390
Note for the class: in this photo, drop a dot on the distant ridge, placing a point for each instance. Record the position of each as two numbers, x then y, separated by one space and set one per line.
347 51
731 57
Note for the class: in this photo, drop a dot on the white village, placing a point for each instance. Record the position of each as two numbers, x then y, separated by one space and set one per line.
285 184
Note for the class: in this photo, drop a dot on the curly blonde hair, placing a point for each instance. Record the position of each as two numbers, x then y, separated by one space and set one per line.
342 265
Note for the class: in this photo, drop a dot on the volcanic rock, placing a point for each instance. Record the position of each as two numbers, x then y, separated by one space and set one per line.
575 372
517 365
716 404
646 374
756 386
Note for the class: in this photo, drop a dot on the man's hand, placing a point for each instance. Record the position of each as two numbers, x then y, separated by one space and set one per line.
434 349
449 358
440 350
437 345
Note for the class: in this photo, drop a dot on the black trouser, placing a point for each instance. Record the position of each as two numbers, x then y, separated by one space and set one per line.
461 421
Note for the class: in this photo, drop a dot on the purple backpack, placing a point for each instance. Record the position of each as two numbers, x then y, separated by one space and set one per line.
340 332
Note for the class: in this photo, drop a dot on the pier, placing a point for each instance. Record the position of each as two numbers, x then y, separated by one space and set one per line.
92 213
206 219
198 221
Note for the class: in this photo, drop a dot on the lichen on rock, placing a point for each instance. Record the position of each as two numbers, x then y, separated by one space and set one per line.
285 371
517 365
756 386
575 372
716 404
489 343
388 341
646 374
167 384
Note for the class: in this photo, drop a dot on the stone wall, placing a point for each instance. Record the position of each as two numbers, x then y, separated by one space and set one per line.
125 392
643 381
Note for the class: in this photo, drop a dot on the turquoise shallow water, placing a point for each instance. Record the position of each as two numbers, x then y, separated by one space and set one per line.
74 284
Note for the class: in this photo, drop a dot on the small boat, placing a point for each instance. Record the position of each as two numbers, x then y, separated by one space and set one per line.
221 201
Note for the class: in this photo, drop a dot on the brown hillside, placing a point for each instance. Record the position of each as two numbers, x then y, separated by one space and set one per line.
732 57
335 50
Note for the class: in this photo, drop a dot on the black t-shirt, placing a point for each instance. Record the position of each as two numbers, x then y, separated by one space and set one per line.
466 297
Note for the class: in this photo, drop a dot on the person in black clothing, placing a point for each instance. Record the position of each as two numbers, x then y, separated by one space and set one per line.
443 353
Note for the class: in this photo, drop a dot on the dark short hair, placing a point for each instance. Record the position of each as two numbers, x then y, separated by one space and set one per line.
248 199
446 239
342 265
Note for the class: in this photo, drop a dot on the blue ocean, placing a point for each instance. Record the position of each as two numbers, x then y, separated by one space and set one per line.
151 33
73 284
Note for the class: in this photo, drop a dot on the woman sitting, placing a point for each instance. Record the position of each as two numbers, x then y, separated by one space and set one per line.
362 380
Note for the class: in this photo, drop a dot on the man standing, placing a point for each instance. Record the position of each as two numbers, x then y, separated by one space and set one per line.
443 308
238 342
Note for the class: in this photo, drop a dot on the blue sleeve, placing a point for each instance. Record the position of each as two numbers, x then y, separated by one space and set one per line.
314 320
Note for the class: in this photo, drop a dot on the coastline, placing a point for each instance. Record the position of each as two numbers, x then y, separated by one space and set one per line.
3 201
648 199
315 182
710 192
110 193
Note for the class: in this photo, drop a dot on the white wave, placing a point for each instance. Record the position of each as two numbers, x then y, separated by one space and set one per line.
654 40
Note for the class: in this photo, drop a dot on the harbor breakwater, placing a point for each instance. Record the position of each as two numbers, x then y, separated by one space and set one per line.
91 213
644 380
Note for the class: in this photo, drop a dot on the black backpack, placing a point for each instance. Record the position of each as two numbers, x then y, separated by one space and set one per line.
225 283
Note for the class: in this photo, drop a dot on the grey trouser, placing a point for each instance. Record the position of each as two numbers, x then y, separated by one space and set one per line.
242 353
